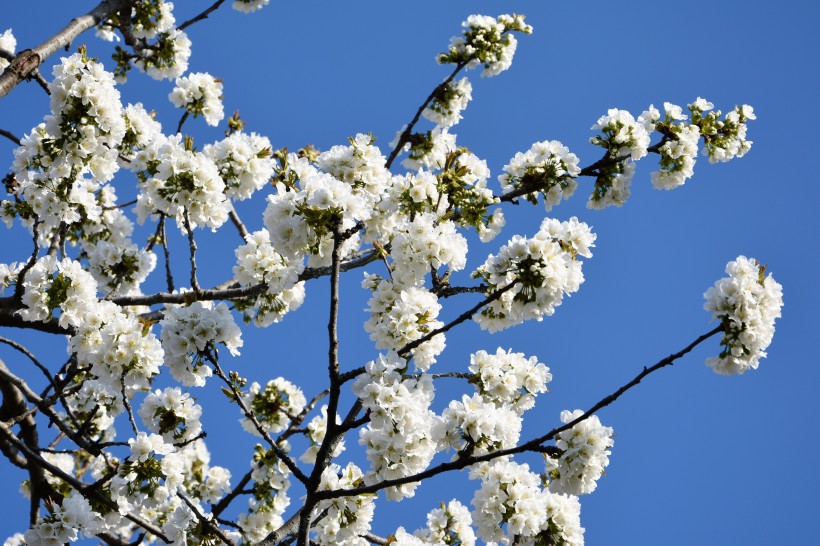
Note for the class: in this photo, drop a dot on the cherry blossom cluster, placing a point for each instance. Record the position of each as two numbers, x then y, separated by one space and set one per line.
547 167
258 262
486 41
424 243
8 44
509 379
344 520
150 484
535 273
141 130
172 414
270 500
51 284
401 435
625 140
510 506
301 220
724 139
450 524
161 51
120 267
69 519
191 333
584 455
679 148
399 316
446 107
64 161
429 150
199 94
180 183
361 165
273 406
244 162
475 425
122 353
747 302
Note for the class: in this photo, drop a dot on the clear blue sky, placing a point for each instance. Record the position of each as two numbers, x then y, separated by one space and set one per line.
698 458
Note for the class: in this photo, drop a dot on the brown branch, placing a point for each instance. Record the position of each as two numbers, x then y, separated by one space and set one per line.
201 16
84 489
234 292
27 61
237 221
13 407
466 315
205 522
404 138
11 136
237 397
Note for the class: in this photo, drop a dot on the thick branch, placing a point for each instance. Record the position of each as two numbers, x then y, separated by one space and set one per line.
84 489
14 407
27 61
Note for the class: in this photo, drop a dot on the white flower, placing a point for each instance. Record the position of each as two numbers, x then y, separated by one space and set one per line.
486 41
509 379
249 6
274 406
187 332
548 167
171 413
747 302
540 270
8 44
585 455
199 93
445 108
244 162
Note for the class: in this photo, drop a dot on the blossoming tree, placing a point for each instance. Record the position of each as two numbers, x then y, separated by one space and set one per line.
126 459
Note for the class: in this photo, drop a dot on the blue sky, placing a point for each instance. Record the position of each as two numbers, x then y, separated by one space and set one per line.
698 458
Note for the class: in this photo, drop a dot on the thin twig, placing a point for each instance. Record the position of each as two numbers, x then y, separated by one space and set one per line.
182 122
466 315
30 355
11 136
201 16
532 445
237 397
205 521
127 405
237 221
405 135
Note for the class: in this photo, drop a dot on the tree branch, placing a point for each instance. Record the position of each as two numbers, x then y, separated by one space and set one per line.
11 136
237 221
405 135
201 16
192 251
532 445
27 61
